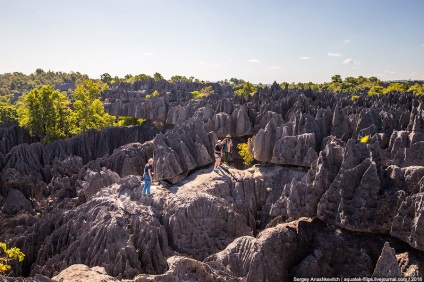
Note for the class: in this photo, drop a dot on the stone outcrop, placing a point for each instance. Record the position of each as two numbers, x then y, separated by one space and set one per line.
408 224
80 272
295 150
12 135
78 201
110 229
387 265
355 200
301 197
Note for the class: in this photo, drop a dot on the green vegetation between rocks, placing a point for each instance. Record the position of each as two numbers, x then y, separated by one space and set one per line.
51 114
204 92
364 139
371 86
7 256
34 101
245 89
245 154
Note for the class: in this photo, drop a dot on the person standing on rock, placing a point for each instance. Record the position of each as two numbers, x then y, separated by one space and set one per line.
147 176
218 154
334 142
227 144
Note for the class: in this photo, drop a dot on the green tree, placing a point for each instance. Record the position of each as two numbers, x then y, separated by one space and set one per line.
7 110
336 78
116 80
395 87
45 113
157 76
179 78
204 92
89 111
245 154
376 90
137 77
106 78
374 79
355 97
196 94
416 89
8 255
236 81
39 71
127 121
246 90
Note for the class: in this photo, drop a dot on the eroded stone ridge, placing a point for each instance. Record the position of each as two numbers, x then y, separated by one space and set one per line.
78 201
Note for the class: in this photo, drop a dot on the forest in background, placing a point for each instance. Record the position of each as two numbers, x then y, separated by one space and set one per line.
58 105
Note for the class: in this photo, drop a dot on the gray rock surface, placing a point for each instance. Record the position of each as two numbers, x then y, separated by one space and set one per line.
78 201
80 273
408 224
355 200
16 202
387 264
296 150
301 198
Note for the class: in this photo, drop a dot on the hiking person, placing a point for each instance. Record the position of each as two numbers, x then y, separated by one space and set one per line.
227 144
218 154
333 140
147 176
335 143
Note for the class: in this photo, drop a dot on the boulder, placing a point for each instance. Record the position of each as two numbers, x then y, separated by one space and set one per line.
16 202
81 272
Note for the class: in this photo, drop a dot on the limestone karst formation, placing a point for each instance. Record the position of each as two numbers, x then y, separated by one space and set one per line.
307 208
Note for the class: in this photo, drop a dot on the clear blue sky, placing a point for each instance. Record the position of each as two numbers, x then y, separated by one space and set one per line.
260 41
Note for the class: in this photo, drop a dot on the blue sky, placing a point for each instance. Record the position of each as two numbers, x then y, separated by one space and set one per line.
260 41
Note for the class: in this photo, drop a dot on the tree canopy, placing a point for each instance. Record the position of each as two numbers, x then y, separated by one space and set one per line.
17 83
245 89
7 109
7 255
88 109
45 113
157 76
204 92
50 114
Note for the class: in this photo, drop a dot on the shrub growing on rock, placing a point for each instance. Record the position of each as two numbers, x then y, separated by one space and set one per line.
245 154
8 255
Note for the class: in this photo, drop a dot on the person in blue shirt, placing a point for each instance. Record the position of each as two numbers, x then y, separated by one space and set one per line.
148 171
